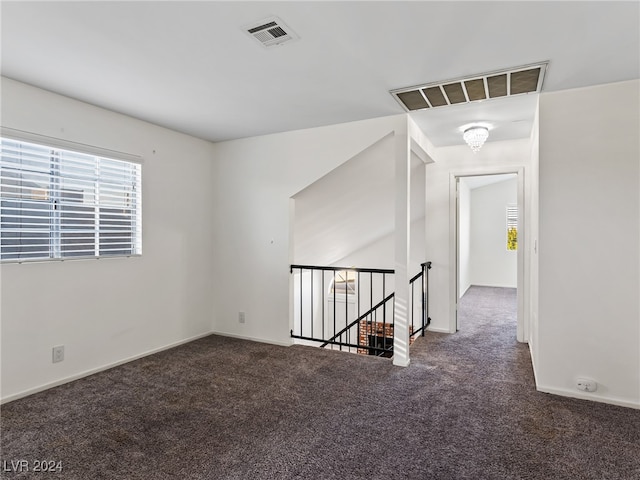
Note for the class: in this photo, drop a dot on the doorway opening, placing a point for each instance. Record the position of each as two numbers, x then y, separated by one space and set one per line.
489 237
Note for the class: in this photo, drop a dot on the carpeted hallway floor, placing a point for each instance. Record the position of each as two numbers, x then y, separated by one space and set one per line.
221 408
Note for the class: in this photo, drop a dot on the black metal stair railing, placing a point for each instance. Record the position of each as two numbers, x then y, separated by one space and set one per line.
423 276
373 310
328 302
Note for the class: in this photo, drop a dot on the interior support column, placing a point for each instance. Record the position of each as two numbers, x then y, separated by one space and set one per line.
401 258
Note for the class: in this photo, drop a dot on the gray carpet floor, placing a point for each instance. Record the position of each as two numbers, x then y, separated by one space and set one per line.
222 408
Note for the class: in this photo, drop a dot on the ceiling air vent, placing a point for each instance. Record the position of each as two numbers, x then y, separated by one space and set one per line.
503 83
270 32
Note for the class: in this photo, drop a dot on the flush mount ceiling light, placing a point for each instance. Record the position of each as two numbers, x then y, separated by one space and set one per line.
484 86
475 137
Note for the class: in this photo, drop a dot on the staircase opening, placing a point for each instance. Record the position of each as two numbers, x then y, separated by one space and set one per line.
352 309
380 341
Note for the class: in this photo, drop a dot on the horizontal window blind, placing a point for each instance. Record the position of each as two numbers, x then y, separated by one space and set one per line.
58 204
512 227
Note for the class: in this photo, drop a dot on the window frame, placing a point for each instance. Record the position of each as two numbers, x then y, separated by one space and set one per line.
104 212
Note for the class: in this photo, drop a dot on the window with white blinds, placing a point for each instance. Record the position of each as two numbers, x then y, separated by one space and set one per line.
512 227
58 204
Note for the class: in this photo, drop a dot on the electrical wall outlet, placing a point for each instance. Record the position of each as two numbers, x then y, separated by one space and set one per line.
241 317
58 354
586 385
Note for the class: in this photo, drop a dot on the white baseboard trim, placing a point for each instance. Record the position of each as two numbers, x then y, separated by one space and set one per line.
464 290
438 330
588 396
86 373
253 339
493 285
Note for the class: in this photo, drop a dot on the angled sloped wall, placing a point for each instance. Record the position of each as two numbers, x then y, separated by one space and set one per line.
255 179
347 209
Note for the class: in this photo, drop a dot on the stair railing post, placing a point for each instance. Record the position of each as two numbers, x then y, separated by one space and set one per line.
424 303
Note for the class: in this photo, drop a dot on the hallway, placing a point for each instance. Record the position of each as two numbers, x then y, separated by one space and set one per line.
487 307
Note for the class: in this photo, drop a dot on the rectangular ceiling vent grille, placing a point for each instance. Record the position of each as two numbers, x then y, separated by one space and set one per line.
504 83
271 32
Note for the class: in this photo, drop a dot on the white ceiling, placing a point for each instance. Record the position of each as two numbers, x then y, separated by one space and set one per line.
189 66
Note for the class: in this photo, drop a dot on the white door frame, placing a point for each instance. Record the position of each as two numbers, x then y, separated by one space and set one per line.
522 284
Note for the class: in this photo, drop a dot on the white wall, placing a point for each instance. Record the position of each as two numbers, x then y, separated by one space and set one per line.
347 209
531 303
464 238
105 311
495 157
491 264
379 253
417 225
254 181
589 259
